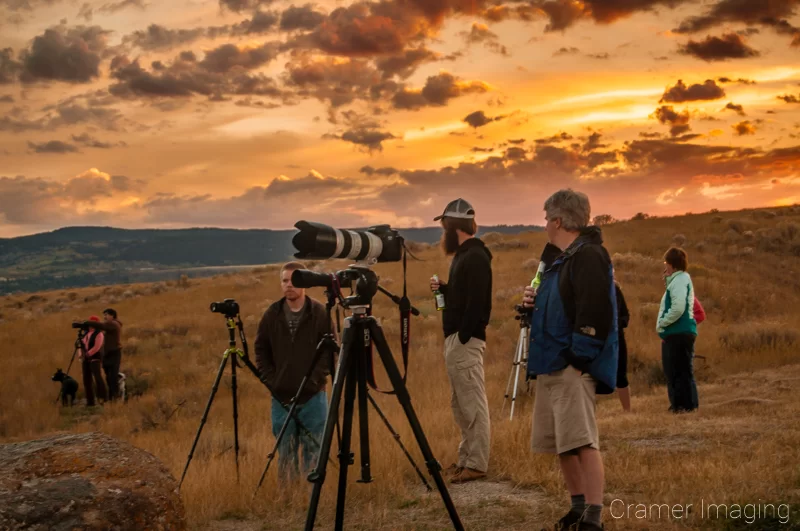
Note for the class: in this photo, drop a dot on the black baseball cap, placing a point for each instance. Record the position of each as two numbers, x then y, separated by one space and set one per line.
459 208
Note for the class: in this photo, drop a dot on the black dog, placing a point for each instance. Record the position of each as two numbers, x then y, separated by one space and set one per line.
69 387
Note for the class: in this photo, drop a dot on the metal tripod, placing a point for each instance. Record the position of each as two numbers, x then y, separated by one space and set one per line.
78 346
233 322
520 357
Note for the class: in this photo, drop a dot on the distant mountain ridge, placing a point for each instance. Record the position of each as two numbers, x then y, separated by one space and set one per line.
74 257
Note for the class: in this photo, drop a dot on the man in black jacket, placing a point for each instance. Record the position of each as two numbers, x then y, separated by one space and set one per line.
468 305
287 339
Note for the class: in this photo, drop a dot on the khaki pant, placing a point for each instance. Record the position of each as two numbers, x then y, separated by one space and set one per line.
564 412
468 400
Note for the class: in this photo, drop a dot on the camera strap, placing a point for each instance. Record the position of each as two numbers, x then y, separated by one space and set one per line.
405 336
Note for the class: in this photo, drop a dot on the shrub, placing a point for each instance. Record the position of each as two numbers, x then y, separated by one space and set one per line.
491 237
764 214
633 261
716 219
759 337
679 240
531 263
789 229
504 245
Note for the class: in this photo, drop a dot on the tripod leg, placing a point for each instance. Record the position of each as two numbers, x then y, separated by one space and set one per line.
205 416
77 346
510 376
300 426
396 437
405 400
517 363
345 457
235 416
278 439
318 475
363 420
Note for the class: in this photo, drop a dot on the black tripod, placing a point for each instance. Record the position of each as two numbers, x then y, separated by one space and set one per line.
360 332
78 347
230 309
328 345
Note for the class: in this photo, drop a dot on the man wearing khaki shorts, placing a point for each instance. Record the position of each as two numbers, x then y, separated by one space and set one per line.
573 353
468 304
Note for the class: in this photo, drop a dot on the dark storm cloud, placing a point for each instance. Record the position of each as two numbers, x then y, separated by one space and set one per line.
479 119
681 93
53 146
64 54
734 107
438 90
405 64
9 68
304 17
774 14
678 122
712 48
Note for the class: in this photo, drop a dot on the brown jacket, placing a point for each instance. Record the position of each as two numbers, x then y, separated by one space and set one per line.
284 360
113 333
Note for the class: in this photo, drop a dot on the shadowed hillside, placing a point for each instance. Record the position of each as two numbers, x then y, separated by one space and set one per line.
92 256
740 447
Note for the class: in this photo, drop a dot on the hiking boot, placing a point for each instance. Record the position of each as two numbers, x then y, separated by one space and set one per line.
467 474
567 522
452 470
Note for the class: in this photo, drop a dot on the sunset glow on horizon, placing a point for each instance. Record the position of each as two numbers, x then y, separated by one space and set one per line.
257 113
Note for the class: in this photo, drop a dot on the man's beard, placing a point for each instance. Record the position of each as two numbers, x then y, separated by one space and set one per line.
449 241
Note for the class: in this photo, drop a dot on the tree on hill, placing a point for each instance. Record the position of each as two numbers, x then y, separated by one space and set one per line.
603 219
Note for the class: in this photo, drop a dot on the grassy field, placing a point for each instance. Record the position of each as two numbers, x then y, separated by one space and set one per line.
741 447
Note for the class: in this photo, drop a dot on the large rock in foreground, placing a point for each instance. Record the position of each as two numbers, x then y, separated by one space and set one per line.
85 481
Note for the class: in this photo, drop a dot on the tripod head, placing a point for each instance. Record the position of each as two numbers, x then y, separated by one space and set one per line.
523 315
365 279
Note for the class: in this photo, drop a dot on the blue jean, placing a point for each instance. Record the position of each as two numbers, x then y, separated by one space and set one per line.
312 416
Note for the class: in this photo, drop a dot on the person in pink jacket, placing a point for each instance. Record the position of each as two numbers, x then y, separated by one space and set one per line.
92 362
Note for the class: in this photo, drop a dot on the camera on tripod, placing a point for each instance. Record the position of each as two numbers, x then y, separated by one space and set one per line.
228 307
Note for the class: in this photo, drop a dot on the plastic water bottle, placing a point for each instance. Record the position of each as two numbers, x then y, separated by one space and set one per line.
438 296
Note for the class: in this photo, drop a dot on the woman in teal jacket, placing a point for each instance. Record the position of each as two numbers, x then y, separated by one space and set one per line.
677 328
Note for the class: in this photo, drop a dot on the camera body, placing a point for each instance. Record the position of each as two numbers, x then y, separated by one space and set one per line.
82 326
228 307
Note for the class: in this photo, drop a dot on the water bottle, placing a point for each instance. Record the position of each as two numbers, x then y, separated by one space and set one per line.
537 280
438 296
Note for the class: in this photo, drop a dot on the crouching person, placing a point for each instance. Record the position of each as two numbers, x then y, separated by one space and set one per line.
573 353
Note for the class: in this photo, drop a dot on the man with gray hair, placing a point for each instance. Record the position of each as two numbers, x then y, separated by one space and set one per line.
573 353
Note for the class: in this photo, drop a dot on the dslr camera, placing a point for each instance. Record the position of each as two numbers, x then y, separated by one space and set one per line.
228 307
81 325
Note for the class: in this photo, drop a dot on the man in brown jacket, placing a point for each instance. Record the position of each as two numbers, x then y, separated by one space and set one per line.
287 339
112 357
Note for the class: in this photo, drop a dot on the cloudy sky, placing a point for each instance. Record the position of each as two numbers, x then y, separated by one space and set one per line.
258 113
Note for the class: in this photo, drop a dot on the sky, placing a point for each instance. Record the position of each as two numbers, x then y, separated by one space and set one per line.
259 113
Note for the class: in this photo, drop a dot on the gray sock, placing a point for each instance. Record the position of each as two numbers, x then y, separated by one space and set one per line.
593 514
578 504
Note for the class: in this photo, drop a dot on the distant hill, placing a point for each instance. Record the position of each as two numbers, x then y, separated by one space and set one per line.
75 257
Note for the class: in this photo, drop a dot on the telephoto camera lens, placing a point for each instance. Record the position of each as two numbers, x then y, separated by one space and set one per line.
380 243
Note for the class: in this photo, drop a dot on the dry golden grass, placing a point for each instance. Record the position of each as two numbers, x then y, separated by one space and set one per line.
741 447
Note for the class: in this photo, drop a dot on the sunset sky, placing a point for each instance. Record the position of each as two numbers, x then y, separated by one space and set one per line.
258 113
